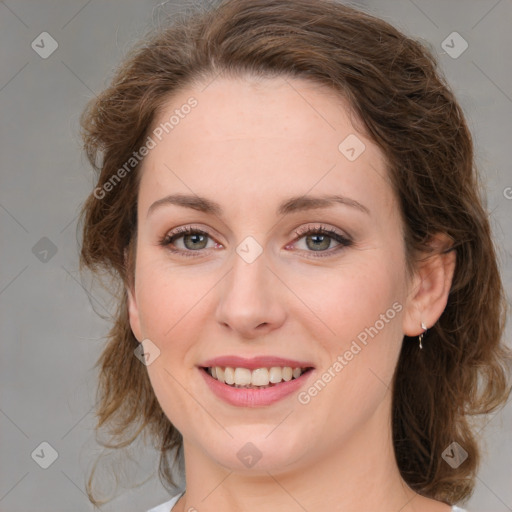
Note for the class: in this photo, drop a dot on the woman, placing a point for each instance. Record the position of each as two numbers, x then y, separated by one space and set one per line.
309 290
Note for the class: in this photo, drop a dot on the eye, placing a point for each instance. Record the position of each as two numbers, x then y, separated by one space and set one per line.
191 240
319 239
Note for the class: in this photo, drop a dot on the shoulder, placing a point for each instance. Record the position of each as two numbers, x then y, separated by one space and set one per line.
167 506
457 509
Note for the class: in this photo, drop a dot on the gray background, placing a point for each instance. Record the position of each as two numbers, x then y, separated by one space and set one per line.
51 335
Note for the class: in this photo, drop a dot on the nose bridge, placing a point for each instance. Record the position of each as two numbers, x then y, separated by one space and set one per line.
248 301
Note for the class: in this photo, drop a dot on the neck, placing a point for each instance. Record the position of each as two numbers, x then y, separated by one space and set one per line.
360 473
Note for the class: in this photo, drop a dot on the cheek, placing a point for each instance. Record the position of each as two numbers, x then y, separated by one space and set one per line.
170 310
355 298
165 297
157 305
364 311
362 307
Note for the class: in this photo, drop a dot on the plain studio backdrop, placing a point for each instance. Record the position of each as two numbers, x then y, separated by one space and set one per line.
51 334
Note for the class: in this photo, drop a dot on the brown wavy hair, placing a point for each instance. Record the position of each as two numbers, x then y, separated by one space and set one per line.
405 105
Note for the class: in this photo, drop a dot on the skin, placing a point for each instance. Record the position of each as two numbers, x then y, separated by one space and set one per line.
250 144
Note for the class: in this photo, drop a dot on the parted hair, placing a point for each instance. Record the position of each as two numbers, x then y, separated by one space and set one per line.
401 100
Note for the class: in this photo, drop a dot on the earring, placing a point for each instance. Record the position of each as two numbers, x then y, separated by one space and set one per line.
420 337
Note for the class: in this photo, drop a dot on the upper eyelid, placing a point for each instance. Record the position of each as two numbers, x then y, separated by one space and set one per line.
183 230
304 230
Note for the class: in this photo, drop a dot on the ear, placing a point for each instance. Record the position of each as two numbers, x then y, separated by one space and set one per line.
428 294
133 313
133 310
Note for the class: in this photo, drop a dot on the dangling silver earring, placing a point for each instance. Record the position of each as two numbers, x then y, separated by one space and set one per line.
420 337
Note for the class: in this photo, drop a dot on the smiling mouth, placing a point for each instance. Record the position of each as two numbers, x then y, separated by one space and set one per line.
259 378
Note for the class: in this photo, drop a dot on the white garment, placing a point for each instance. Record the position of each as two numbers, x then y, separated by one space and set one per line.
168 505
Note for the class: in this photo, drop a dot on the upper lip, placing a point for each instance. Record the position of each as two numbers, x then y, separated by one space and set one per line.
254 362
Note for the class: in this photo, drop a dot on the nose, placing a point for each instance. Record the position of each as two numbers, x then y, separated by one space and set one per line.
251 302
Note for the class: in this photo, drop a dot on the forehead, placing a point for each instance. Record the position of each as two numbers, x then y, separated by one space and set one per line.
267 134
258 107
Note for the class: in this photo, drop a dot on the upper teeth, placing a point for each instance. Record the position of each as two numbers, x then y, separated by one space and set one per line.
257 377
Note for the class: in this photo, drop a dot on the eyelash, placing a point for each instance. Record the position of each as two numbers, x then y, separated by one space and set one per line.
342 240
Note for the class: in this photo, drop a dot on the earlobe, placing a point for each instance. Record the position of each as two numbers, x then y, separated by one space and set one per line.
431 287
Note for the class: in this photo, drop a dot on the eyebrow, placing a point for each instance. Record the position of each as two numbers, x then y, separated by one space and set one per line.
294 204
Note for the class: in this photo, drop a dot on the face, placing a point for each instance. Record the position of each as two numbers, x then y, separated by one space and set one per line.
248 269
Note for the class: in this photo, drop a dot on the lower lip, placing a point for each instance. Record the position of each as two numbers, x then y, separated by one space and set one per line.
245 397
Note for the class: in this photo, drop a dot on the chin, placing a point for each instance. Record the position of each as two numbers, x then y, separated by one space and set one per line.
258 449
